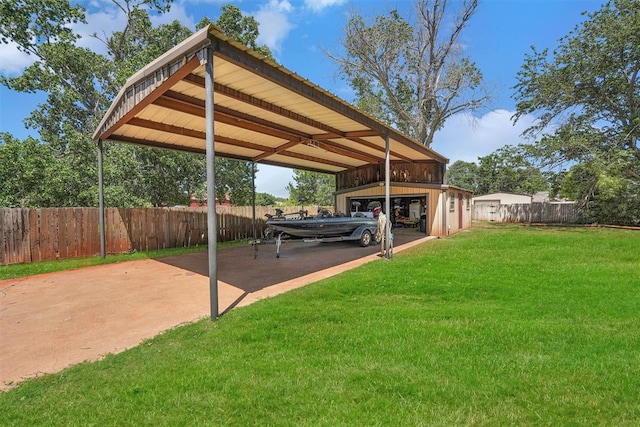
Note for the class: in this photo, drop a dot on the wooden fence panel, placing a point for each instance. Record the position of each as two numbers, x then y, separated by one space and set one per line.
89 229
543 213
34 236
515 213
117 231
49 233
62 226
23 232
31 235
14 242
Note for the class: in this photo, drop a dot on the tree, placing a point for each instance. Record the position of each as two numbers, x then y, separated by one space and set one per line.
463 174
312 188
413 78
235 177
80 85
151 176
510 169
24 171
139 43
586 95
68 74
243 29
265 199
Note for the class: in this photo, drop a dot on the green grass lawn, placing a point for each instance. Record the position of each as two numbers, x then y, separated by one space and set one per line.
502 325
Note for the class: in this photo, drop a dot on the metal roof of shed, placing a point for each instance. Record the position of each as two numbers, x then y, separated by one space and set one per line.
262 112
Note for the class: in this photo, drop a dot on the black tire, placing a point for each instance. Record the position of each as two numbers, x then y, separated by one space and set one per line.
365 238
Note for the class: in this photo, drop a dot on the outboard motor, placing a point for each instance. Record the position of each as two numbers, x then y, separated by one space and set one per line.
279 214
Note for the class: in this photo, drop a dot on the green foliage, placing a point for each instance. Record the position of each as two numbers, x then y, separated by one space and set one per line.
168 178
510 169
413 77
234 179
24 171
265 199
243 29
27 22
139 43
80 85
605 191
73 79
542 337
313 188
463 174
586 93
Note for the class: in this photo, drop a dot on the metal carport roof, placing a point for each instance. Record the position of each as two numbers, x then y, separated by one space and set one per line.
213 95
263 112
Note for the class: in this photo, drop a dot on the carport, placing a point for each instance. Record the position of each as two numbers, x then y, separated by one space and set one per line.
214 96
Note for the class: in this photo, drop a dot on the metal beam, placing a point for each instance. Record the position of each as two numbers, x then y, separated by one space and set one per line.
331 133
253 209
387 198
103 231
276 150
334 147
264 105
211 188
186 69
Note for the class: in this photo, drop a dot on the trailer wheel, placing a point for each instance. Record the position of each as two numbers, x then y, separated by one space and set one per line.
365 238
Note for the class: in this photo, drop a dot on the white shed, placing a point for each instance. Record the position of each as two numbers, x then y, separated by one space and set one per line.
498 199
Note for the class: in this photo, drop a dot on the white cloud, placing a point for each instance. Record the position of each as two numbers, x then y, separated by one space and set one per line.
102 18
465 139
273 18
273 180
178 13
105 18
103 23
13 61
320 5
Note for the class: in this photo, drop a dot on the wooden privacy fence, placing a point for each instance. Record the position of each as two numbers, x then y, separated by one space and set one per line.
30 235
542 213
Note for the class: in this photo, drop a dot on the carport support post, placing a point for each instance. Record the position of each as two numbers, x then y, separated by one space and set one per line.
211 188
103 231
253 204
387 197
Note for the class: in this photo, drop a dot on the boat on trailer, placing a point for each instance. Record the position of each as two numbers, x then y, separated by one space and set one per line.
324 227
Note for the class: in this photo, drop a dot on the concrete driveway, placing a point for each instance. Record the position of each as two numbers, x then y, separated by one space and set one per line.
51 321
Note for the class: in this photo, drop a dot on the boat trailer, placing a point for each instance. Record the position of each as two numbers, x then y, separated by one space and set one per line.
363 234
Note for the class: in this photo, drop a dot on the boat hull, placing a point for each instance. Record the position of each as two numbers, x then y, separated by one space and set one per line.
321 227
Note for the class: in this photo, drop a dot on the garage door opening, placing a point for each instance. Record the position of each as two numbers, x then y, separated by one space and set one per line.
406 211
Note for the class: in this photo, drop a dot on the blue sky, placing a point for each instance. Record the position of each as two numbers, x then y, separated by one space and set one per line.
299 31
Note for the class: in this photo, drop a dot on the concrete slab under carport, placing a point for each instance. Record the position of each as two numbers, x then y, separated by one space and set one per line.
52 321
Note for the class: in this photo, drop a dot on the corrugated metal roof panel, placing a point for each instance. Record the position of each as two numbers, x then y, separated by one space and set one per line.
262 111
